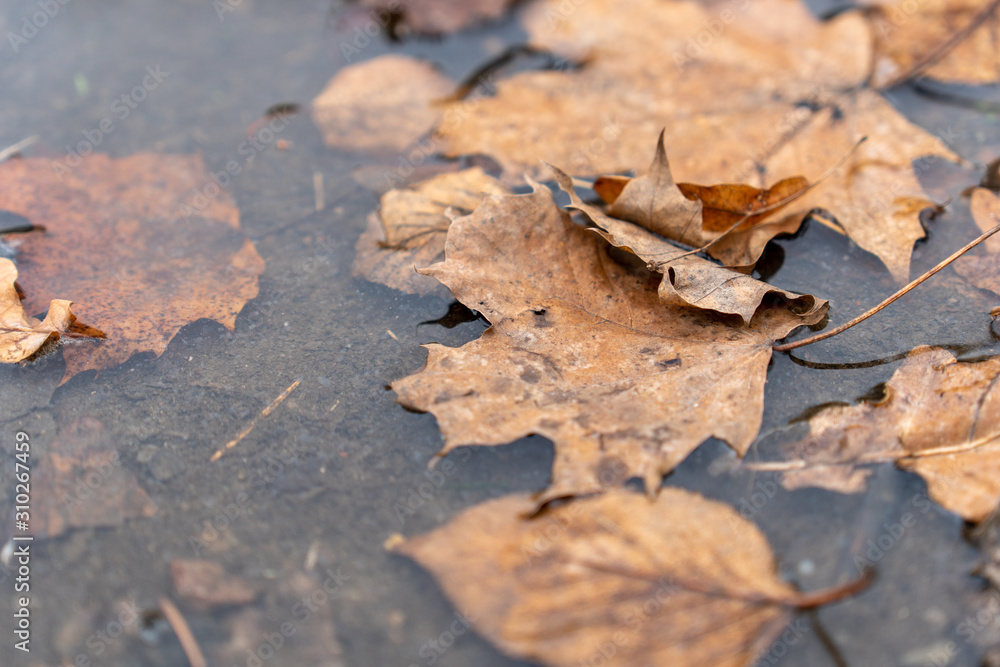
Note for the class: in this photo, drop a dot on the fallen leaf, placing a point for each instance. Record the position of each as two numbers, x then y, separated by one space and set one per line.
981 266
22 336
723 206
206 582
582 352
118 245
794 105
907 31
939 418
677 581
687 280
380 106
436 17
410 227
81 483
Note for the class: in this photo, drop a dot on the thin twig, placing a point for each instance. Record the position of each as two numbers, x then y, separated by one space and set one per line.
17 148
184 635
864 316
944 48
253 422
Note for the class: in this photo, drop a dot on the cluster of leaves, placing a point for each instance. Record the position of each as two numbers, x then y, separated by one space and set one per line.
615 338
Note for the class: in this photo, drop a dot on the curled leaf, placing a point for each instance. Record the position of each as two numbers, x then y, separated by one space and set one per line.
22 336
688 280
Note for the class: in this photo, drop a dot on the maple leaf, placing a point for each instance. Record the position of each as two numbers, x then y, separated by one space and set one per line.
582 352
794 104
981 267
380 106
410 227
939 418
679 581
117 243
906 33
22 336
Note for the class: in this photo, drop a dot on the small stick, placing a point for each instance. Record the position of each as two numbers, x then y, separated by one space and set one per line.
17 148
319 195
864 316
943 49
253 422
184 635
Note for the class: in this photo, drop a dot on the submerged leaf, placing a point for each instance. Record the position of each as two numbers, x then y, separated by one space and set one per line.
680 581
939 418
80 482
120 243
382 105
410 227
908 31
584 353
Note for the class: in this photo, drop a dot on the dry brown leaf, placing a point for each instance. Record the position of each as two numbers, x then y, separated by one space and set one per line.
906 31
117 244
688 280
80 483
435 17
582 352
939 418
793 106
410 228
981 267
380 106
22 336
616 578
206 582
723 206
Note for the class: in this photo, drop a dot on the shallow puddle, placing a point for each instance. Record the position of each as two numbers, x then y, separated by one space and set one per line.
299 507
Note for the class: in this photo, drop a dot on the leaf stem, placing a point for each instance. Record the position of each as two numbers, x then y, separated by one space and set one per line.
832 594
864 316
